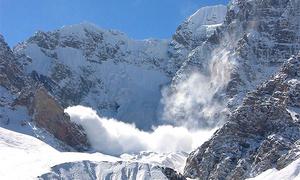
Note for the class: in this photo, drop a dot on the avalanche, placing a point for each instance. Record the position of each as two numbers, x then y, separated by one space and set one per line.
114 137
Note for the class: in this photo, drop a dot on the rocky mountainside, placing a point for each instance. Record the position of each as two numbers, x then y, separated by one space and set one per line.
263 133
28 108
10 72
83 64
253 42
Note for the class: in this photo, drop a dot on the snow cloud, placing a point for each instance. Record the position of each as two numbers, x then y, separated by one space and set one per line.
196 101
114 137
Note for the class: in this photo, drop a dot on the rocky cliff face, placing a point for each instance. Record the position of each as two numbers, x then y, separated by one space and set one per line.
48 114
24 101
262 133
265 34
252 43
9 69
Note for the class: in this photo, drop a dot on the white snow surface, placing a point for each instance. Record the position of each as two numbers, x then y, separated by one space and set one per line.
32 158
209 15
174 160
203 22
291 172
88 170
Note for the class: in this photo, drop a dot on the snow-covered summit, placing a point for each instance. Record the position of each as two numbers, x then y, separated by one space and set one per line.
209 15
199 26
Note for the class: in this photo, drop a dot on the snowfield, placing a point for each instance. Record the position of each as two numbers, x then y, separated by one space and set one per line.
291 172
31 158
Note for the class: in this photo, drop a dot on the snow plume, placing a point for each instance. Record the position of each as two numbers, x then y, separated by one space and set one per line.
115 137
196 101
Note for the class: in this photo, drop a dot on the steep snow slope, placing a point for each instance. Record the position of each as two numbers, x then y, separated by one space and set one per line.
31 158
83 64
201 25
16 100
10 84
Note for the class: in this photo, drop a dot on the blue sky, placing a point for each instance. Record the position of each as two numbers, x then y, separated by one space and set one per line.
140 19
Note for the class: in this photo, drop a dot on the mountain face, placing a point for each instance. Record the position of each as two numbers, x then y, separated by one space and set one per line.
253 42
201 25
82 64
263 133
234 67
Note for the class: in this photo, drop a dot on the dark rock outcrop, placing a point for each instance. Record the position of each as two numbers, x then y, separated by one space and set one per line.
171 174
48 114
9 71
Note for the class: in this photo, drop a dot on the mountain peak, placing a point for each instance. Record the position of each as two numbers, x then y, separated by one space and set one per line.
208 15
82 28
201 25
